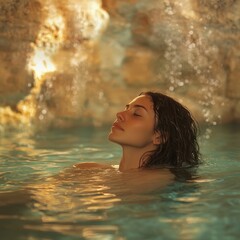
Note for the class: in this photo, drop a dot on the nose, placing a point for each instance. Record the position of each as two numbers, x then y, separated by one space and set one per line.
120 116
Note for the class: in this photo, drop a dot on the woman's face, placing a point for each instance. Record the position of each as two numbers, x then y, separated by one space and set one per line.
134 125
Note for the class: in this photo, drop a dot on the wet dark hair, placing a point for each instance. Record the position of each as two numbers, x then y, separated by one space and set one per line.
178 131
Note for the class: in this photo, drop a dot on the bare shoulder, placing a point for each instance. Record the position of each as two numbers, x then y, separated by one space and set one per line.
92 165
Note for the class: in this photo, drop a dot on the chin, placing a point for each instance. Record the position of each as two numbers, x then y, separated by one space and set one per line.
113 138
110 136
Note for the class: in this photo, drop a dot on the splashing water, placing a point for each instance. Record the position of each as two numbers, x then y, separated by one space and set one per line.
189 64
43 62
78 59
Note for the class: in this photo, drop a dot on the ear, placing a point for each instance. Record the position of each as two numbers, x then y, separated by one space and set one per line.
157 139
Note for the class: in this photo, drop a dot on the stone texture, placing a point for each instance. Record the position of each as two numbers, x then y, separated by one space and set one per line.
19 24
101 57
237 112
233 75
138 66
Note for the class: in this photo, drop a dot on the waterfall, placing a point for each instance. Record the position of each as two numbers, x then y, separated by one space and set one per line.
77 62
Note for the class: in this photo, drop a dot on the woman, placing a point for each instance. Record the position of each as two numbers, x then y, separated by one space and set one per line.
154 130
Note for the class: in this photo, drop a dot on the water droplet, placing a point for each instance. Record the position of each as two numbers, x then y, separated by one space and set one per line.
41 117
180 84
44 111
171 88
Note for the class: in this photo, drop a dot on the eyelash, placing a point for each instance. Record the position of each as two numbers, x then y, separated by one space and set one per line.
135 114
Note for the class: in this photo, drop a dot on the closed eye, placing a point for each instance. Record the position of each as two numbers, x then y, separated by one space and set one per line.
135 107
136 114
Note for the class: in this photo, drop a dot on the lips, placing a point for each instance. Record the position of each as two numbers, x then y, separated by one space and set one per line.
118 126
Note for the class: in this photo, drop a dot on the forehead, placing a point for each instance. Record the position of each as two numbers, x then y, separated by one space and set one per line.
143 100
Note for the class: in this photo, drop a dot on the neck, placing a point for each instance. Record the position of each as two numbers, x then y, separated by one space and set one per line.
131 157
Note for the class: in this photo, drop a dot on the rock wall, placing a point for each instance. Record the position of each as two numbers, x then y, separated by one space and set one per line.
74 62
188 49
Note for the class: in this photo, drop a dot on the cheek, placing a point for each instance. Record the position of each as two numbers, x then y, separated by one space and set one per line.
141 129
137 133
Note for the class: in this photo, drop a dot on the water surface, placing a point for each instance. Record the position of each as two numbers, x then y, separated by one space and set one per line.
43 197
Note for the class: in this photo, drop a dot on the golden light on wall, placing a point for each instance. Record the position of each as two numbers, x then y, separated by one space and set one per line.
49 39
41 63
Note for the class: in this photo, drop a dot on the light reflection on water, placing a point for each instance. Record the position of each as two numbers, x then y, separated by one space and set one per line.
43 197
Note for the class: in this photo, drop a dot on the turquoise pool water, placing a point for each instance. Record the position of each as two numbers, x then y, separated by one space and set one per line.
43 197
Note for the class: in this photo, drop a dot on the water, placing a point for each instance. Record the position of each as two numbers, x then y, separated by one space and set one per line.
43 197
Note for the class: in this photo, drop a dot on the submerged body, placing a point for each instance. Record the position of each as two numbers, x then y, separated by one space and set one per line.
132 181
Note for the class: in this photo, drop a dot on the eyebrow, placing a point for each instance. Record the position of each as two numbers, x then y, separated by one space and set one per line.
136 106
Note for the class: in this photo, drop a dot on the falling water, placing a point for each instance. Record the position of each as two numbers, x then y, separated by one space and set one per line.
83 60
